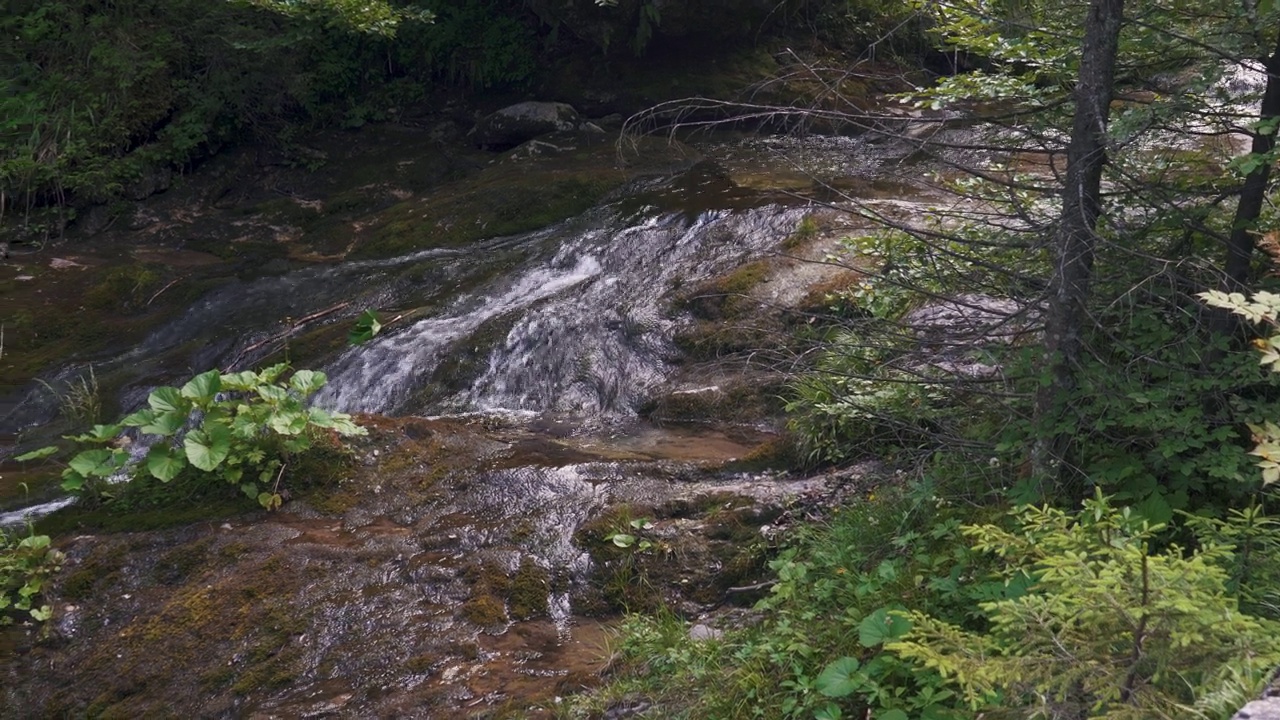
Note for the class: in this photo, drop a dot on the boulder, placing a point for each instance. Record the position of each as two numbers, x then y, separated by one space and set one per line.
524 121
1264 709
153 181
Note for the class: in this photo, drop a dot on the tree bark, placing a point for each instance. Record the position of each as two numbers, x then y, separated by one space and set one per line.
1237 267
1253 194
1075 239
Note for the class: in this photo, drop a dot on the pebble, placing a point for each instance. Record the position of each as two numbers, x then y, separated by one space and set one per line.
704 632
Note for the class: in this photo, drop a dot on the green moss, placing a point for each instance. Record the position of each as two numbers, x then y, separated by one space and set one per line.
484 610
420 664
743 402
107 520
504 199
728 296
528 591
708 340
217 678
124 289
175 566
333 502
623 580
234 629
101 565
270 673
831 301
701 505
806 230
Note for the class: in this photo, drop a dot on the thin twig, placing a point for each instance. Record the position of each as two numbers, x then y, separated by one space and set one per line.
286 333
161 290
749 588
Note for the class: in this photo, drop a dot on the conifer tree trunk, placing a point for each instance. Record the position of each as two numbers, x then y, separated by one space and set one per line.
1075 239
1252 196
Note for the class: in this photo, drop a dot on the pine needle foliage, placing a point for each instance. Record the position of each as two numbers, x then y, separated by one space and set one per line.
1114 627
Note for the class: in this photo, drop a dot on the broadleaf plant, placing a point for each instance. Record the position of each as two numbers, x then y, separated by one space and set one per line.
25 565
241 427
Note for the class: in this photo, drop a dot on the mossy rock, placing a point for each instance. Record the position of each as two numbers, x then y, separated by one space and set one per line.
726 297
745 401
484 610
707 340
528 591
125 289
98 568
505 199
176 566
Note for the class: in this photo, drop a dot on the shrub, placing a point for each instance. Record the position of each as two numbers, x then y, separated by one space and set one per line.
25 566
1111 628
241 427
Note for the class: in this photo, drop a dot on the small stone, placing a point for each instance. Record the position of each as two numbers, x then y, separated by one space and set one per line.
704 632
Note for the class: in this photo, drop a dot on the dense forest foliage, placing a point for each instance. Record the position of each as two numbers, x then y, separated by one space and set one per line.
99 97
1123 170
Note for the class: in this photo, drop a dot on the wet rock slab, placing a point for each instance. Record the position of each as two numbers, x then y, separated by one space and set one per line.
445 576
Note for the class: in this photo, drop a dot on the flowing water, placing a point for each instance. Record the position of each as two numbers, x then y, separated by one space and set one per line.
589 331
572 324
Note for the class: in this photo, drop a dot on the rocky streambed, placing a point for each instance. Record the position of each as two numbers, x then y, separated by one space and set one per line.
579 345
455 568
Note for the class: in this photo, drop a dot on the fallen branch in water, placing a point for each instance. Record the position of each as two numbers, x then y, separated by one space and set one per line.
286 333
161 290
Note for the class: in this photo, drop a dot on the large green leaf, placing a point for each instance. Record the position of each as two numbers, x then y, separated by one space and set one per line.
99 434
165 423
307 382
207 447
271 374
365 328
344 425
139 418
98 463
245 426
246 380
35 542
830 711
43 452
168 399
840 678
164 462
288 422
203 387
273 393
72 481
882 626
320 418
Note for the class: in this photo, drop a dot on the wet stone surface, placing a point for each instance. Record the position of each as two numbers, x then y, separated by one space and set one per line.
457 581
